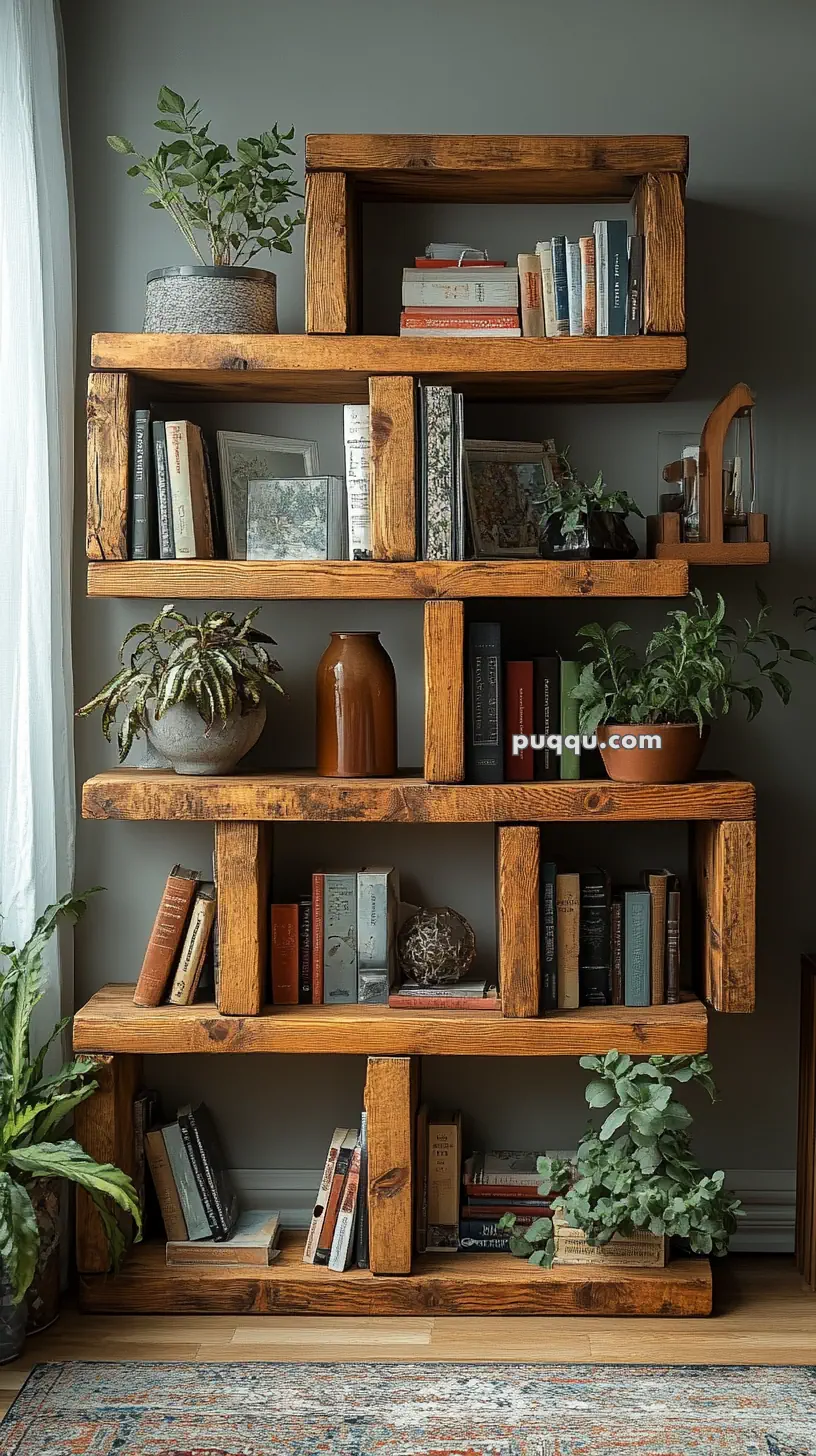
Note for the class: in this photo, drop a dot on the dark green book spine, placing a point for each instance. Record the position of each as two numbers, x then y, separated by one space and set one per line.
637 934
549 946
570 760
594 939
618 235
485 740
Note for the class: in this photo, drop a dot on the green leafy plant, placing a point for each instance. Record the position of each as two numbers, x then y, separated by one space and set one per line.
216 664
571 501
689 671
637 1171
232 200
33 1106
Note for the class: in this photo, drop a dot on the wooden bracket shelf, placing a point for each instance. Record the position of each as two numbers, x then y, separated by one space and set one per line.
438 1284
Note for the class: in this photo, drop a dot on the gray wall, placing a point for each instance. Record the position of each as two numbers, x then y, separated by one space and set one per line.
738 79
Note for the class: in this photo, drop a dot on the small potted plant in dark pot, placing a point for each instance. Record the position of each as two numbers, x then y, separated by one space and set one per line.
652 711
194 688
226 206
584 522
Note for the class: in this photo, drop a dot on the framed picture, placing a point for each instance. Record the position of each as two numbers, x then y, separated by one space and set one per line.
242 458
504 479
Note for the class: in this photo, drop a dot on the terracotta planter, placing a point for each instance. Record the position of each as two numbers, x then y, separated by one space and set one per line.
356 694
675 761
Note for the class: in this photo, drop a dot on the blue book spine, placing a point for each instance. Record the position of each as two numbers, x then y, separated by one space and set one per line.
637 934
561 285
618 245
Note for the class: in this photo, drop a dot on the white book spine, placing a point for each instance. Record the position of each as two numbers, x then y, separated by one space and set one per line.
544 251
601 279
319 1212
356 427
532 312
576 311
178 466
191 960
461 292
343 1241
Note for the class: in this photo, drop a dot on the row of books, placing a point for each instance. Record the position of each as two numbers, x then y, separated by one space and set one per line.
605 946
337 946
181 954
338 1232
520 699
459 1204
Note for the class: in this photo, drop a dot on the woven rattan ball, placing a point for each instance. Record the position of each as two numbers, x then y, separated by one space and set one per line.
436 947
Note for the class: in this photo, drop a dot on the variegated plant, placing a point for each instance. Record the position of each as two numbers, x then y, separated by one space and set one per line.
216 664
33 1106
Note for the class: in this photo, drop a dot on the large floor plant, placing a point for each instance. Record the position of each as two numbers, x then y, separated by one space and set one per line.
34 1107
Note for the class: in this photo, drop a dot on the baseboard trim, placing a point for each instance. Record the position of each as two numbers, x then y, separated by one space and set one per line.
767 1194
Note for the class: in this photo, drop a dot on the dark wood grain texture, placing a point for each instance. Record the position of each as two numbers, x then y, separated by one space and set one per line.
104 1128
110 401
392 490
390 1101
517 855
444 653
660 218
242 868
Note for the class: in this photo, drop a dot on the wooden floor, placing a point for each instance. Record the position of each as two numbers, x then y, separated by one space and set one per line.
763 1314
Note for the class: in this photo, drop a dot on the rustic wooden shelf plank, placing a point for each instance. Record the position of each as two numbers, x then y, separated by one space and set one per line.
333 369
715 553
438 1284
130 793
385 580
110 1023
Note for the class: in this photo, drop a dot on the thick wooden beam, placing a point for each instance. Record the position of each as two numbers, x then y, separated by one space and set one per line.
109 411
517 889
331 264
242 869
725 855
392 488
104 1127
390 1100
660 216
444 639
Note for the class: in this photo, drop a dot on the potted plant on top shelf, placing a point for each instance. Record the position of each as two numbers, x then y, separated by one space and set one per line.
230 204
579 521
686 678
194 688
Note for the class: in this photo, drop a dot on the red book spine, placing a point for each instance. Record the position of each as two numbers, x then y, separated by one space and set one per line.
444 1003
317 940
501 1192
285 955
458 318
518 689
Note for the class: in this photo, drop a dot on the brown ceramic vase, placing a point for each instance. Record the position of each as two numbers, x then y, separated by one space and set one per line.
356 708
681 748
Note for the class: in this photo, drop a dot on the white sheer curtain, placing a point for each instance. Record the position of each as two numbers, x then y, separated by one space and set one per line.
37 331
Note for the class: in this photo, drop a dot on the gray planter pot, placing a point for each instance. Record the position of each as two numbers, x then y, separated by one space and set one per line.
182 737
12 1322
194 299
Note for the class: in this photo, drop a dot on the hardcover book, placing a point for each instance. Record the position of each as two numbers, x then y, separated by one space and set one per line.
302 518
544 251
570 759
518 720
166 936
485 747
377 902
618 271
549 953
175 1224
356 425
167 548
437 483
673 947
305 949
444 1163
192 522
634 298
636 947
658 884
284 948
567 910
181 1166
340 939
559 266
361 1239
143 534
587 248
341 1169
319 1211
451 288
594 939
600 234
546 714
251 1244
194 948
616 950
576 309
532 311
342 1248
209 1168
318 896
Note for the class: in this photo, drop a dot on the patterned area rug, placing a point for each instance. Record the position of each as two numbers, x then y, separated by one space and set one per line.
96 1409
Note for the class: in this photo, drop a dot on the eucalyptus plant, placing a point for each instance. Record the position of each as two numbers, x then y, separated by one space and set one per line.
232 199
571 501
690 672
33 1107
637 1171
216 664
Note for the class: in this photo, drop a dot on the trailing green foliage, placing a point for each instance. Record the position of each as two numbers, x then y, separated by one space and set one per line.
689 672
637 1171
571 501
33 1106
232 200
216 664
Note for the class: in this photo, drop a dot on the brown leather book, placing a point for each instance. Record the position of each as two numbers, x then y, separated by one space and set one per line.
165 1185
285 955
166 936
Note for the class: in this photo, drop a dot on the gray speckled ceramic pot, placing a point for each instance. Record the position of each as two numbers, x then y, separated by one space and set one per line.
194 299
182 737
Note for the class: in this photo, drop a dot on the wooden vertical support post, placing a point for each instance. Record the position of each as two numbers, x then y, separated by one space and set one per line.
517 877
444 637
660 218
806 1148
104 1127
390 1101
725 856
109 410
242 871
392 489
331 254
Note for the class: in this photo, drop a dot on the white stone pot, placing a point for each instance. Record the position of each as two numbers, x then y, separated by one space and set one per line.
182 737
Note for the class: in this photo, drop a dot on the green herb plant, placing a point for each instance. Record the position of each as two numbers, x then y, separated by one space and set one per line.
33 1107
232 200
689 672
571 501
637 1171
216 664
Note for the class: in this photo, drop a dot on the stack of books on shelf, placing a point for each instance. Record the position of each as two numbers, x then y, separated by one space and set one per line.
458 292
590 287
609 947
337 946
472 995
495 1183
514 700
198 1204
338 1232
176 963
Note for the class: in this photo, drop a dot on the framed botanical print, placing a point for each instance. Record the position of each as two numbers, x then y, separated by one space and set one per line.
242 458
504 479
